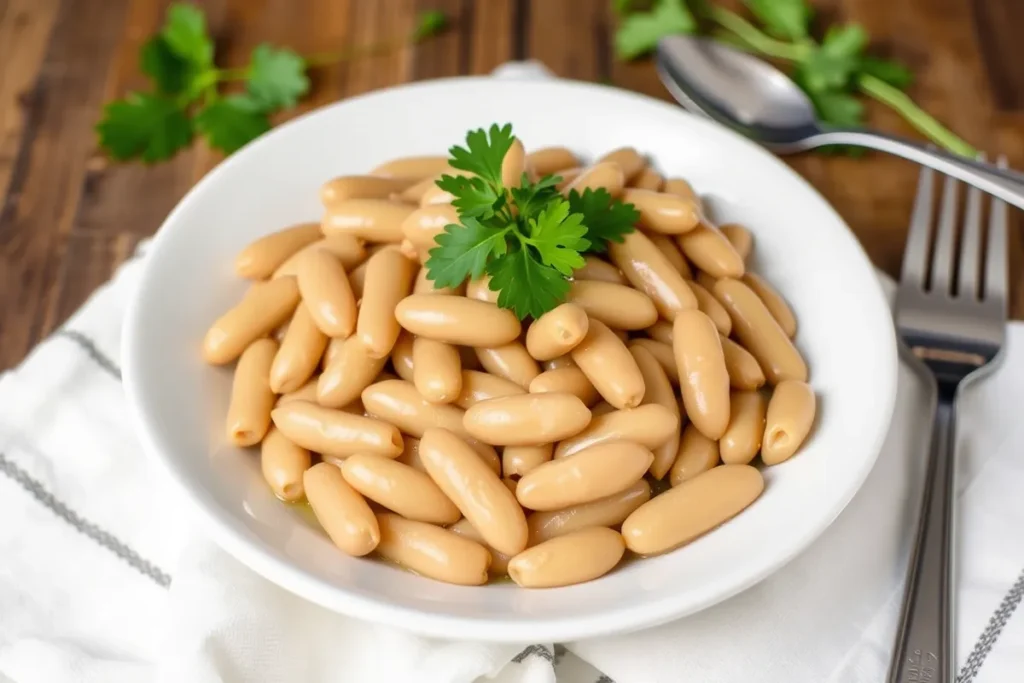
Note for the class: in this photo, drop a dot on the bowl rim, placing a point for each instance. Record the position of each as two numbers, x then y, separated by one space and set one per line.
241 543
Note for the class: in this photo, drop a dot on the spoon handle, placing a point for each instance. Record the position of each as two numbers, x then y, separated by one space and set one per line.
1004 184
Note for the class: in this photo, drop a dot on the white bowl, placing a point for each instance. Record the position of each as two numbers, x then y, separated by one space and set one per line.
802 246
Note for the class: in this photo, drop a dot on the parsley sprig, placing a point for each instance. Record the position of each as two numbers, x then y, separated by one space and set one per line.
831 71
529 239
186 98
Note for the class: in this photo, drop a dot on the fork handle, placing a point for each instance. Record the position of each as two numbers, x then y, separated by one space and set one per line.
924 644
1005 184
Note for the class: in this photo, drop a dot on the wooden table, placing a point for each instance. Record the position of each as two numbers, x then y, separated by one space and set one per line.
68 217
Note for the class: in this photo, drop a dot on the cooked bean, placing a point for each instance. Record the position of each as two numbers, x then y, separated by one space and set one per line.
432 551
526 419
691 509
663 354
307 392
327 293
437 370
252 399
774 302
514 164
499 560
759 331
262 257
345 378
709 250
345 187
509 361
658 391
681 188
576 557
481 386
422 225
629 160
548 160
649 425
348 249
661 331
602 408
411 454
415 168
400 488
283 463
709 306
744 372
458 320
388 280
703 378
617 306
739 237
567 381
335 432
596 268
342 512
263 308
608 176
356 279
697 454
648 179
480 289
414 193
475 489
568 175
378 220
401 356
585 476
300 353
662 212
434 194
557 332
705 280
667 247
606 362
609 511
565 361
518 460
425 286
651 272
742 440
789 420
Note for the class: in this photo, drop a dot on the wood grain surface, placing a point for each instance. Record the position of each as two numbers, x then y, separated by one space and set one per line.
68 217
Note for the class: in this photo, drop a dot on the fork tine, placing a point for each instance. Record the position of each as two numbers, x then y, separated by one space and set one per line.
995 267
915 256
970 246
942 261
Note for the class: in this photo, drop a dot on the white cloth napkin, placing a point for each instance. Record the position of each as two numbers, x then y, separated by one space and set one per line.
103 578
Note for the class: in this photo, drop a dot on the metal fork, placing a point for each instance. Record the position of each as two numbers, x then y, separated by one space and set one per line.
951 317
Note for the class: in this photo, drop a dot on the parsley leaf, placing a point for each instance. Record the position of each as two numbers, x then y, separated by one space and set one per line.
277 77
531 198
832 66
169 72
525 285
639 32
428 24
463 252
558 237
185 34
890 71
472 196
838 108
145 125
481 155
232 122
786 19
605 220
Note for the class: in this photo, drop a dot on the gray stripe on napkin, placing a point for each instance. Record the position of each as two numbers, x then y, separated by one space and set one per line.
992 631
83 526
93 351
538 650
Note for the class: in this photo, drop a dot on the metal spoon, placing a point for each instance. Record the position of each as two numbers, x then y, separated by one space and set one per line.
753 97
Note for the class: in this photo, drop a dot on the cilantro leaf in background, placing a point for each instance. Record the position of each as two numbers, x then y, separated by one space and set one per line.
277 77
558 237
185 34
639 32
145 125
463 251
428 24
473 197
483 155
605 220
231 122
838 108
890 71
832 66
788 19
526 286
169 72
530 198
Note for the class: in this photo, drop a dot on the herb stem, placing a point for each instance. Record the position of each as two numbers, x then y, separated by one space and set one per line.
924 122
239 74
760 41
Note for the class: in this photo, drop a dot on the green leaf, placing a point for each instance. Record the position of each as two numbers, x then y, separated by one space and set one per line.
622 7
170 73
483 155
185 33
531 198
838 108
277 77
429 24
890 71
832 66
787 19
639 33
145 125
463 251
472 196
525 285
231 122
558 237
605 220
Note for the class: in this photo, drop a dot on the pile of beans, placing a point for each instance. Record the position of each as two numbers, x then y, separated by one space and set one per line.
433 428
